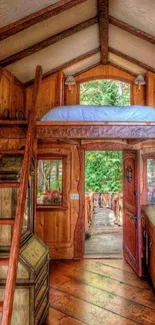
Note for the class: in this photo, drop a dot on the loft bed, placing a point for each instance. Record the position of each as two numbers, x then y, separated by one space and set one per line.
81 122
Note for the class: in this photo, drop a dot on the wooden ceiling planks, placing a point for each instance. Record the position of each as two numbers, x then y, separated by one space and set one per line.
103 10
37 17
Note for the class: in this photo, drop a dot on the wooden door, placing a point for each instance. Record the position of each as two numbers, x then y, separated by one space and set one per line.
132 243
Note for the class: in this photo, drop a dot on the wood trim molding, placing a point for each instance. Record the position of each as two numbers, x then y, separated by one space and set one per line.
132 30
85 130
131 59
37 17
103 10
67 64
47 42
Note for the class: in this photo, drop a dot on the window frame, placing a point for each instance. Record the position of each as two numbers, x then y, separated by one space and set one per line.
101 77
146 157
63 205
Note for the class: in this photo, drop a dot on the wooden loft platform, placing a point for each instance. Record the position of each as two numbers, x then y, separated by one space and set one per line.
14 129
83 130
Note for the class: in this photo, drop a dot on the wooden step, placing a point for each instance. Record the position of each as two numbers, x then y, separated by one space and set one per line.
4 261
5 221
1 306
9 184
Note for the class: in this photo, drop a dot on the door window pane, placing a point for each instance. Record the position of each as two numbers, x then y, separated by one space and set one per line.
151 180
49 189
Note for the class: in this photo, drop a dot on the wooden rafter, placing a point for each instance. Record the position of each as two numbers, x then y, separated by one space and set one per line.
37 17
131 59
103 9
132 30
68 64
47 42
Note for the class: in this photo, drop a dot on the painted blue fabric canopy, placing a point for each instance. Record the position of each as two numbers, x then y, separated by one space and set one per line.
101 113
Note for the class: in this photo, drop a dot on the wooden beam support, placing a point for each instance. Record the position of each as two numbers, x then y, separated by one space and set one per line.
68 64
131 59
132 30
47 42
103 10
37 17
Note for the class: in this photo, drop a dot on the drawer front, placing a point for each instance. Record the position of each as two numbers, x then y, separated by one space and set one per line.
41 311
41 277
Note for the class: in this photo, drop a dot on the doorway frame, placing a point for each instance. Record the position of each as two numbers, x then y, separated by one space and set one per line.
113 149
98 145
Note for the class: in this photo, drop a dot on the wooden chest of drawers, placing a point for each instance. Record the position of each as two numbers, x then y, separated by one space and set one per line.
31 294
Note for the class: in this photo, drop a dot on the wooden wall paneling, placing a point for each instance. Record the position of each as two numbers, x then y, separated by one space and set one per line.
107 71
138 95
54 225
59 96
5 92
71 96
47 96
18 98
150 89
12 94
99 72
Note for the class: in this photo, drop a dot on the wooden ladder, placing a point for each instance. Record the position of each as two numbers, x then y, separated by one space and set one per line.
6 306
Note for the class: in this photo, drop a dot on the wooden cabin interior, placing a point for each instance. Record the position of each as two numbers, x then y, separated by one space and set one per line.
47 50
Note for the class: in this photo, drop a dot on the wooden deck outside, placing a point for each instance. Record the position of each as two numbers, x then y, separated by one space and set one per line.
106 237
97 292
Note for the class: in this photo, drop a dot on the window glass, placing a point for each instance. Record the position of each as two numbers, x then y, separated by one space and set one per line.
49 189
151 180
105 92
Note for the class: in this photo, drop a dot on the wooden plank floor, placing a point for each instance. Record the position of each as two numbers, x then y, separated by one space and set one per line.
96 292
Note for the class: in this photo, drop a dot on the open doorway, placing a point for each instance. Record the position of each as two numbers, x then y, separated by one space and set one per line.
103 204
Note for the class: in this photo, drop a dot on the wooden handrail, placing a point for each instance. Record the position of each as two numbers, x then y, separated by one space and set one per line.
15 245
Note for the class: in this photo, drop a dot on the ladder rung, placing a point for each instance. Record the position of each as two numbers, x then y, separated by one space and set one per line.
1 306
9 184
6 221
4 261
11 152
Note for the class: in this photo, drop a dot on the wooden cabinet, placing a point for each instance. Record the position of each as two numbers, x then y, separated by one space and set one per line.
10 166
31 294
148 223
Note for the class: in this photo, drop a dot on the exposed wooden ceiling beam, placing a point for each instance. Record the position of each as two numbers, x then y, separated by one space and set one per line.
37 17
47 42
132 30
103 10
68 64
131 59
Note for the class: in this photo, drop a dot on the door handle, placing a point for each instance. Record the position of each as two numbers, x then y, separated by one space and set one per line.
134 217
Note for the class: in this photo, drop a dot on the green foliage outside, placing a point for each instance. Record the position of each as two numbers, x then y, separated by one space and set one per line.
103 171
105 92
